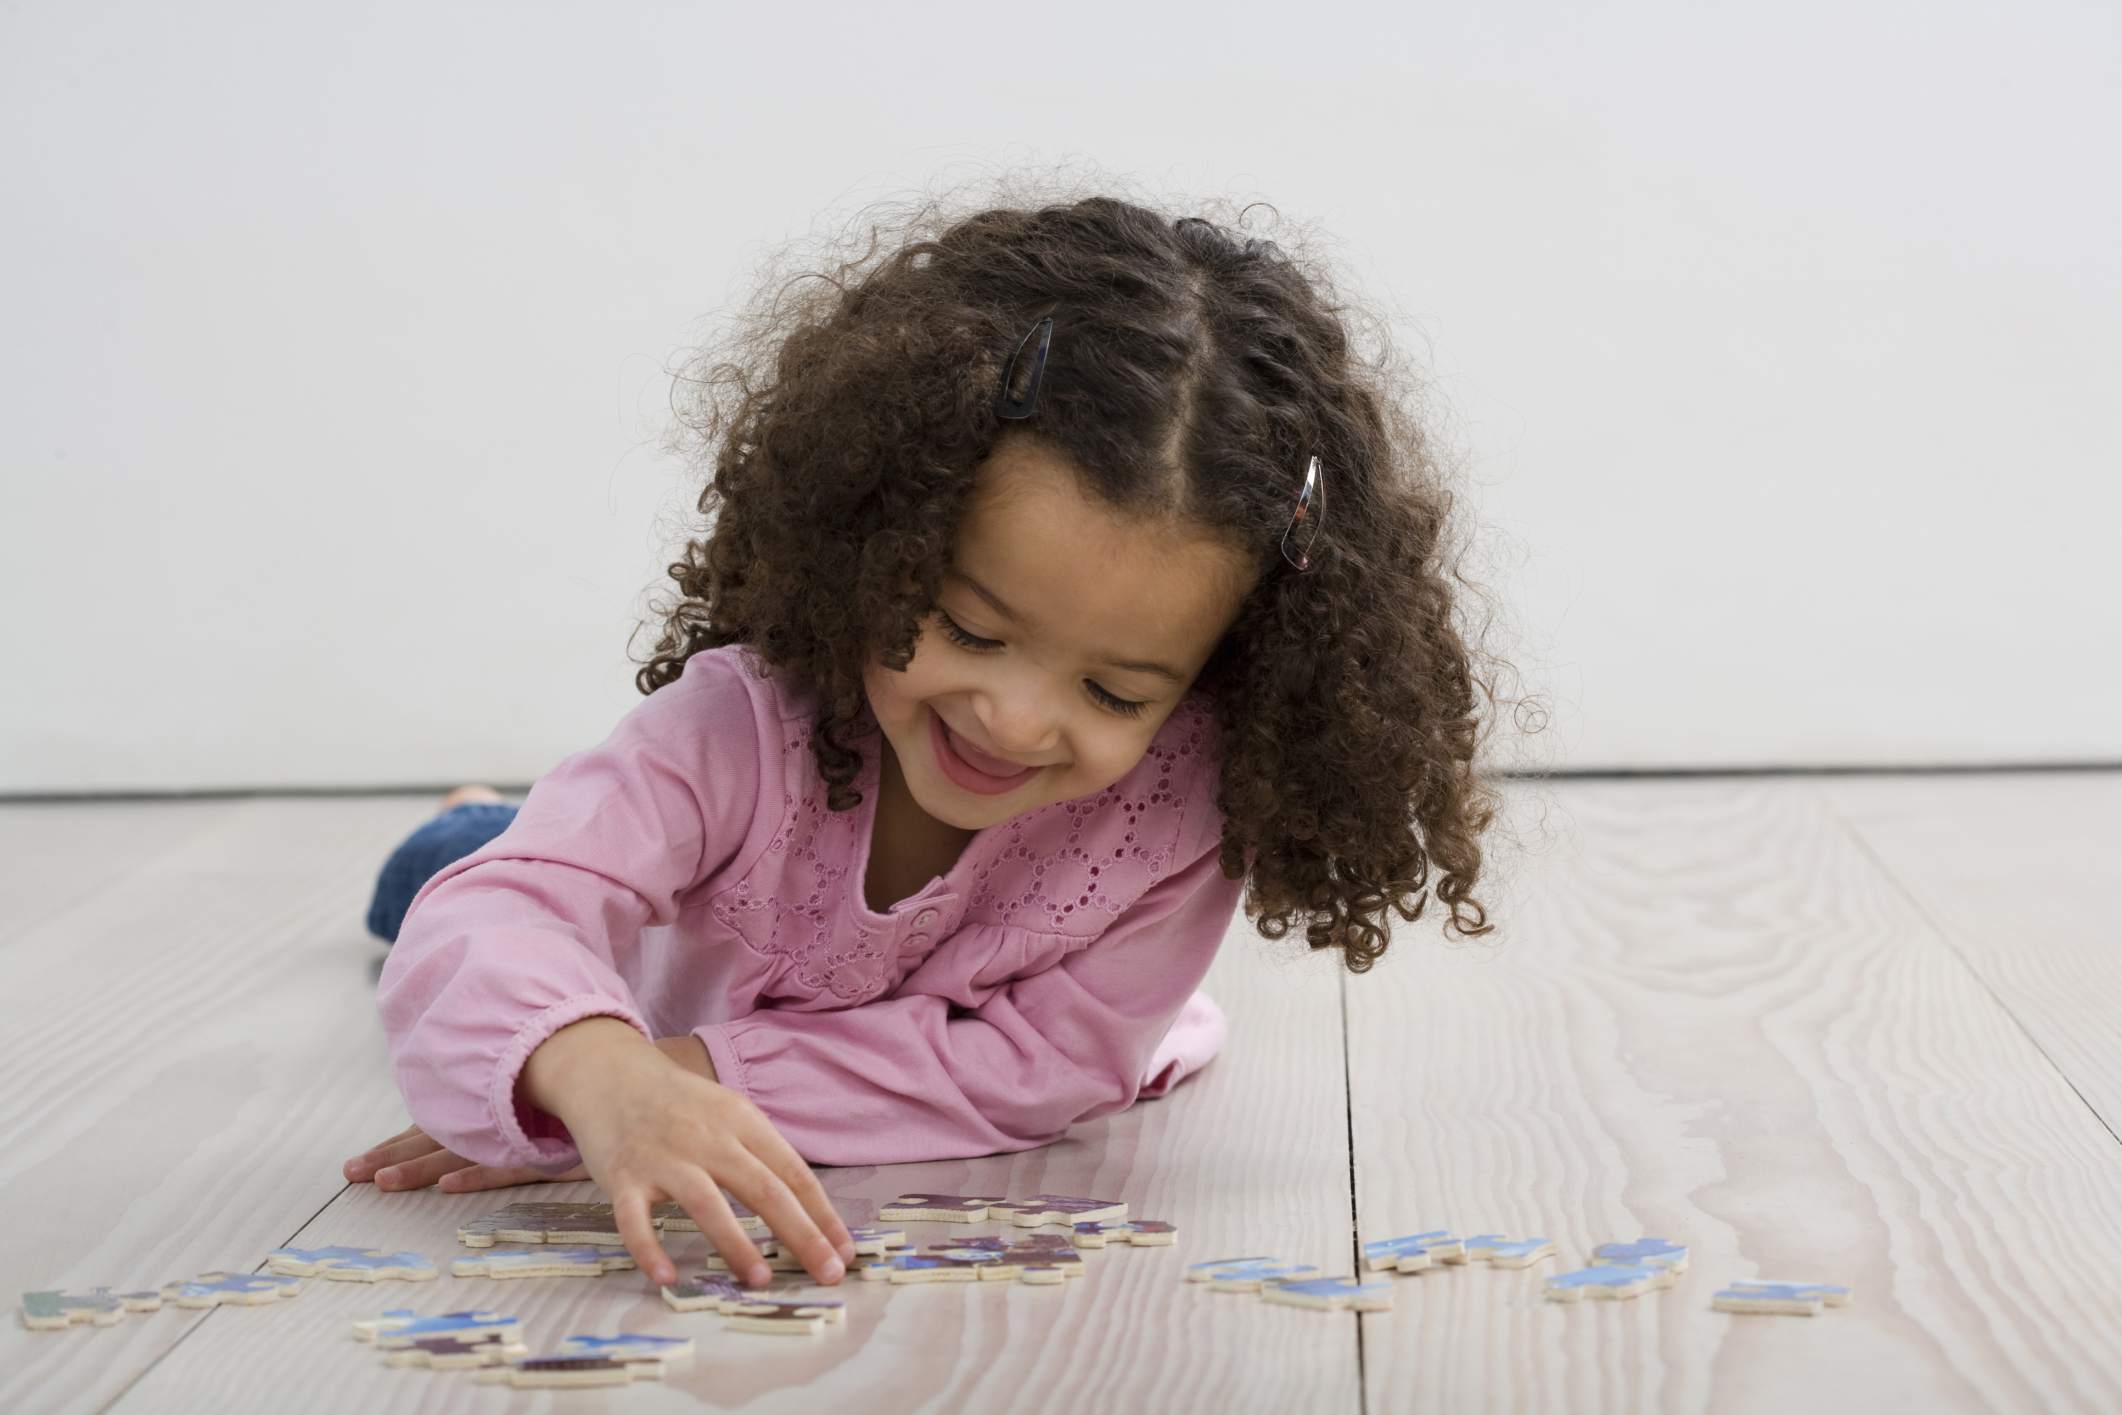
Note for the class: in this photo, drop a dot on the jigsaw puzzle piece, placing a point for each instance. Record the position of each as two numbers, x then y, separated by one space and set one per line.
628 1346
672 1218
351 1264
1799 1298
219 1289
1042 1209
402 1326
1141 1233
528 1222
939 1208
542 1262
1331 1294
1414 1252
441 1353
531 1372
1498 1251
1644 1252
1248 1274
56 1311
1609 1280
785 1318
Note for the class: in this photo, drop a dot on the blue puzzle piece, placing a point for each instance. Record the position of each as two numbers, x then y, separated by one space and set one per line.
402 1326
1507 1252
1654 1252
627 1346
1608 1280
1248 1274
1331 1294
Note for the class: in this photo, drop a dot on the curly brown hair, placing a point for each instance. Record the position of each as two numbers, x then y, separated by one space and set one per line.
1192 375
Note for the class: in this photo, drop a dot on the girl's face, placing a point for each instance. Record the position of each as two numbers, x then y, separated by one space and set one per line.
1033 681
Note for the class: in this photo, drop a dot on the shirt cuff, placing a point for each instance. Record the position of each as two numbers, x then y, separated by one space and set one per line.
534 1134
722 1055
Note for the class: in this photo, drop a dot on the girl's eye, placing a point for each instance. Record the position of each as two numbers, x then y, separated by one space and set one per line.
964 640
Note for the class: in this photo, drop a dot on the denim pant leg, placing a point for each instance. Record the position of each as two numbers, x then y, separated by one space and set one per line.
450 836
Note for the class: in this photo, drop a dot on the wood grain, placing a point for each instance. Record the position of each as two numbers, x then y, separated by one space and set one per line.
2019 872
190 1054
1715 1019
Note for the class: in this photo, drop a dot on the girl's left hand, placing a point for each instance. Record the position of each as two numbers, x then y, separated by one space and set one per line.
413 1159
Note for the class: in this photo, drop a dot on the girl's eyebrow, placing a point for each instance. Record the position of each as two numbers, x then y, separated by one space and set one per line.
1130 665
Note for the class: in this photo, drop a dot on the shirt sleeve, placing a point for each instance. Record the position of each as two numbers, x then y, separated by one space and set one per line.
914 1077
505 946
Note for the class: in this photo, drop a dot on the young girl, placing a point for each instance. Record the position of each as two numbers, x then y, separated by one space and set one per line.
1024 647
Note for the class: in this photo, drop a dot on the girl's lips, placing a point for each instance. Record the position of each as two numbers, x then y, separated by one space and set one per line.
964 772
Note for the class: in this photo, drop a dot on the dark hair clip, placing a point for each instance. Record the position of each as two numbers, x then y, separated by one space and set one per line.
1009 407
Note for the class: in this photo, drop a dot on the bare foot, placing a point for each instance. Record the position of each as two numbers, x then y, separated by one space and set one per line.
468 793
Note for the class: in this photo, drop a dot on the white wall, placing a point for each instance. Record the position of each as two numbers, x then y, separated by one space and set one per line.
1780 344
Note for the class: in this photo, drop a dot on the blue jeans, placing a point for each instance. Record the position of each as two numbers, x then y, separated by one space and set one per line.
450 836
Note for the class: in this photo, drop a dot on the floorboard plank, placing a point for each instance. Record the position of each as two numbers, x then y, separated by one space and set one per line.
1714 1019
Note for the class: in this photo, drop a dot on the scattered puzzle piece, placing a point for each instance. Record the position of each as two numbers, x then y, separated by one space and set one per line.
628 1346
1498 1251
902 1268
239 1290
442 1353
1609 1280
542 1262
874 1241
402 1326
777 1258
1644 1252
1042 1209
704 1292
1331 1294
533 1371
786 1318
351 1264
1142 1233
939 1208
865 1261
1247 1274
544 1223
1799 1298
672 1218
1047 1261
56 1311
1414 1252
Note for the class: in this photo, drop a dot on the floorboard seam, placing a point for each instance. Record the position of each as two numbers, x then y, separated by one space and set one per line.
1355 1229
1945 937
215 1311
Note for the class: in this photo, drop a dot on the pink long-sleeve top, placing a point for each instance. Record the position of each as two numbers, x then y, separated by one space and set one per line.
686 875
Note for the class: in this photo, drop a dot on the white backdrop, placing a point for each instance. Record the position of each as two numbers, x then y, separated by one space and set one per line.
1779 345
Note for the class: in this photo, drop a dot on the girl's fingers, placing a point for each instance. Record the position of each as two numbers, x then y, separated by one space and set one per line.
421 1172
630 1209
486 1176
778 1155
762 1190
703 1204
408 1144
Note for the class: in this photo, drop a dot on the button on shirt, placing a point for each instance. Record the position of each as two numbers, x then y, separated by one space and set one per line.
687 876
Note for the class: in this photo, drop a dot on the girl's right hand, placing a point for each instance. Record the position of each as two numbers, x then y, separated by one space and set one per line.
650 1131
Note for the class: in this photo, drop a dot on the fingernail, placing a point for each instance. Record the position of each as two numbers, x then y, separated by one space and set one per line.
847 1252
833 1271
355 1169
759 1276
386 1176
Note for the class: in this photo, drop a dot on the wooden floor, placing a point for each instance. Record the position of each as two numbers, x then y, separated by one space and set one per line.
1856 1030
